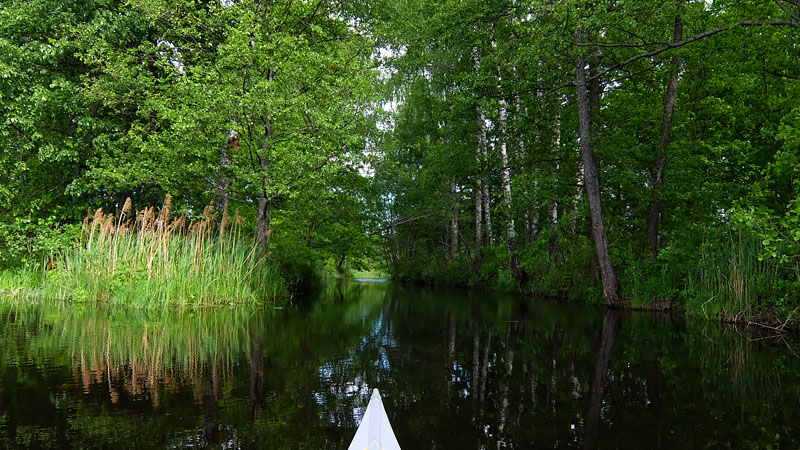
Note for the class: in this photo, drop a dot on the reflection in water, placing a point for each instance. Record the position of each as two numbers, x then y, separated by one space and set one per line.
456 370
606 344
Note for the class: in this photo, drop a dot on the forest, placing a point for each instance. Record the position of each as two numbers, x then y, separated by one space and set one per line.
634 154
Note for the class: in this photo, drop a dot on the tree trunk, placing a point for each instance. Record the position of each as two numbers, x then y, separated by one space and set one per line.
552 209
505 176
483 155
478 218
479 188
487 212
264 200
454 222
264 216
578 195
482 208
454 234
661 158
223 175
532 217
611 290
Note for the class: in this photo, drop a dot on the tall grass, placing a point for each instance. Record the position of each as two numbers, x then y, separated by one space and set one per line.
147 259
731 281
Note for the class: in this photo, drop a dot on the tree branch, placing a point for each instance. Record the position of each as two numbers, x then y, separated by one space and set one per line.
406 220
697 37
787 10
782 75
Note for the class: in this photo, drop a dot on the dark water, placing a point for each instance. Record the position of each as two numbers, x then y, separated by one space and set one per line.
457 371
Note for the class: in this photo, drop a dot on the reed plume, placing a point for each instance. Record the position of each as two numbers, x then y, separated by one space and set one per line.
98 217
85 224
143 256
163 213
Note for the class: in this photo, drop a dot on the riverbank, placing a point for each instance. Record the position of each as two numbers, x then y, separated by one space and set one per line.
730 281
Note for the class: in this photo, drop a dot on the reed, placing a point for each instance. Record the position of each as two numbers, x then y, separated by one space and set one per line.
731 282
147 258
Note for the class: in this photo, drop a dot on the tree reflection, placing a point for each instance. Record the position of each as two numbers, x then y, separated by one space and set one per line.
456 370
608 336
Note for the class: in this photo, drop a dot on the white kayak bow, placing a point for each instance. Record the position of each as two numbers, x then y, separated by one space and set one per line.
375 432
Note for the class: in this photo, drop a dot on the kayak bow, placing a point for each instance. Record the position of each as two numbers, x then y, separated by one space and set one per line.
375 432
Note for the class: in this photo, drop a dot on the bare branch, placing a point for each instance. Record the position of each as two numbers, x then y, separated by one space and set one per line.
602 45
787 10
697 37
782 75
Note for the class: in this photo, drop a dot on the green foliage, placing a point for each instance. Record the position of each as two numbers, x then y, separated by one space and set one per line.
731 154
103 101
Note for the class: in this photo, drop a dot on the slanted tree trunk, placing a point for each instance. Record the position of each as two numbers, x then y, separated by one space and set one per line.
661 158
611 290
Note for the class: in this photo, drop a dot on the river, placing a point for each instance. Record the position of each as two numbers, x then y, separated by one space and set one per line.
457 370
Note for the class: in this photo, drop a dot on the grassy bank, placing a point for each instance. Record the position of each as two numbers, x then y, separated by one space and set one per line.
149 259
730 278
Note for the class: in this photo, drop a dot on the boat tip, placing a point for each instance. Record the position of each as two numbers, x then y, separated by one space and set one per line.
375 393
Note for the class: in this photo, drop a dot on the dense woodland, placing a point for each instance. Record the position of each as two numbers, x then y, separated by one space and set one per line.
633 153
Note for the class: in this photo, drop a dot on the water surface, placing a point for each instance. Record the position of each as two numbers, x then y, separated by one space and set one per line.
457 370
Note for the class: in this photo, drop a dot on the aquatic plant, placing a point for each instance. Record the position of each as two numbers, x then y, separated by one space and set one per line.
731 282
148 258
